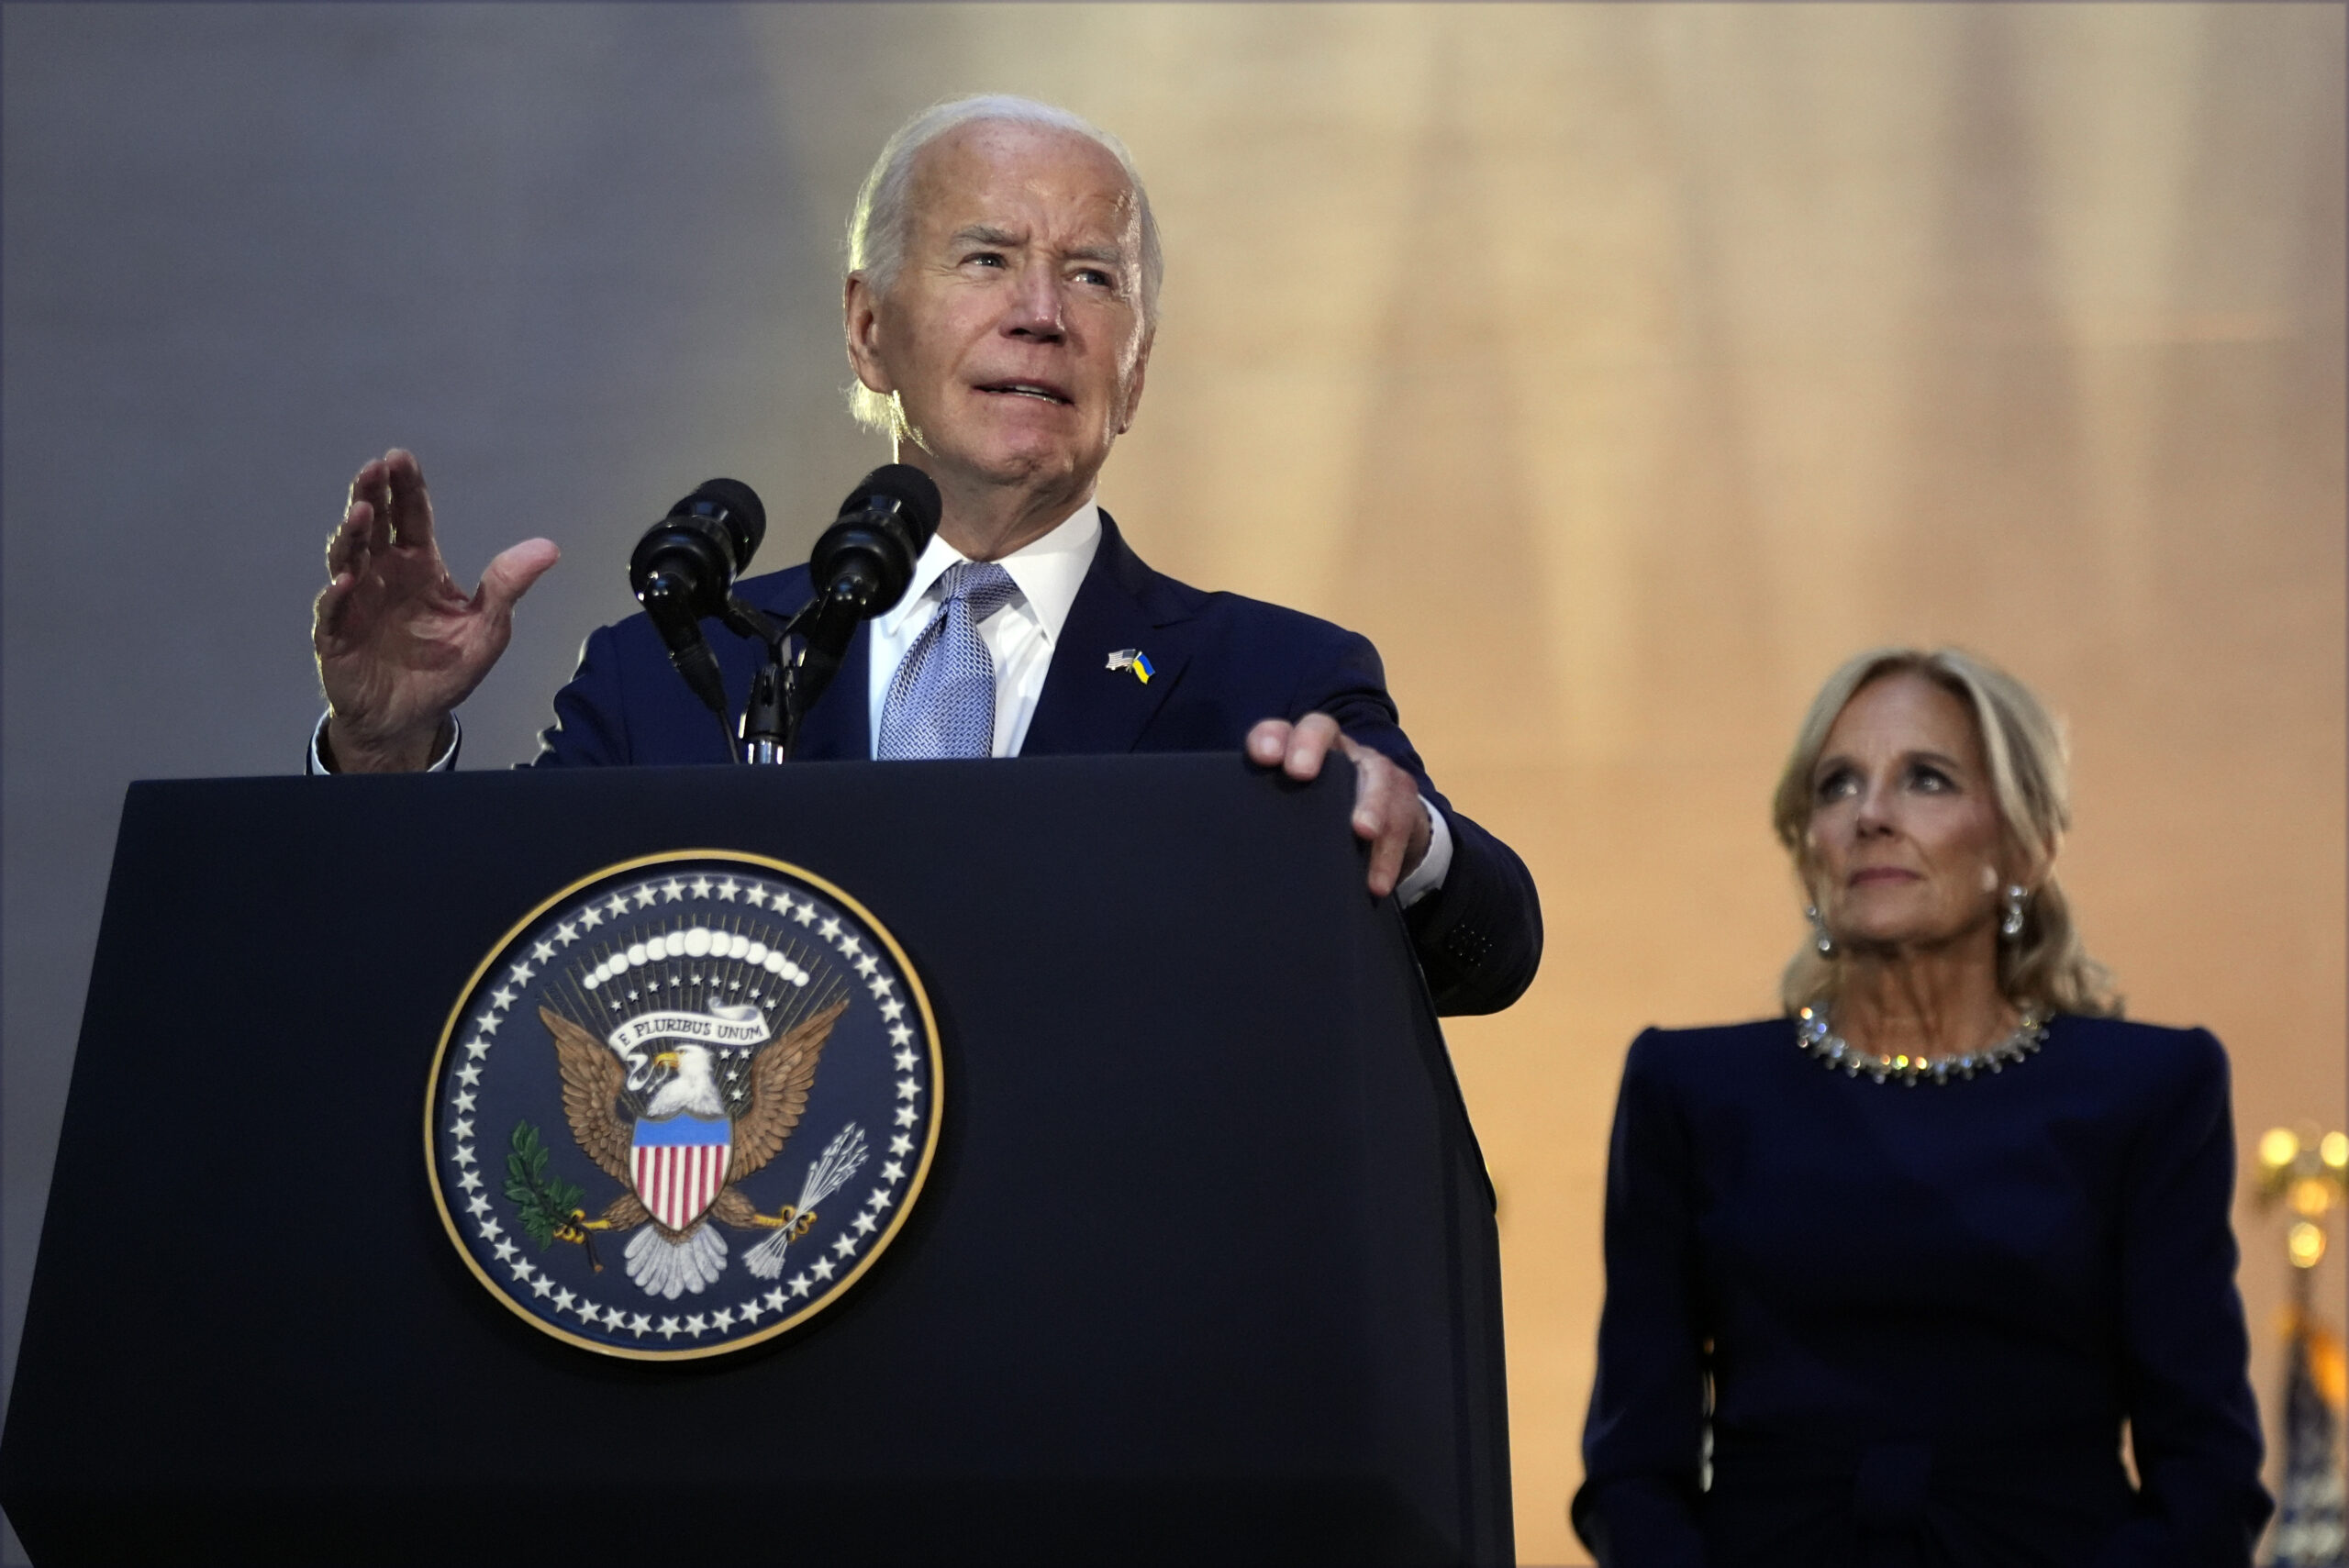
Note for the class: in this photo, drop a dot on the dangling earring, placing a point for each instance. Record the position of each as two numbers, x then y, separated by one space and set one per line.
1819 937
2012 927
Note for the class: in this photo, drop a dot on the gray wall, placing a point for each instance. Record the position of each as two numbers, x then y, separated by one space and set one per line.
565 254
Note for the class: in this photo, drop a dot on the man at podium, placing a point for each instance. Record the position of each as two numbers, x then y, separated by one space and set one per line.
1000 306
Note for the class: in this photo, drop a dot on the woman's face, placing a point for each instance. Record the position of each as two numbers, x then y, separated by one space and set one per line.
1906 847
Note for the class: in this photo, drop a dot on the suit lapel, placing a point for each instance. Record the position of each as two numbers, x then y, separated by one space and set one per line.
1085 706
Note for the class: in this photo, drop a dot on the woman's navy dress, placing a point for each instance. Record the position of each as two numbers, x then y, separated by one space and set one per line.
1924 1312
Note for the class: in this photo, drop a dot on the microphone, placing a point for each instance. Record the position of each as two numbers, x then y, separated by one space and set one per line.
862 561
858 568
684 570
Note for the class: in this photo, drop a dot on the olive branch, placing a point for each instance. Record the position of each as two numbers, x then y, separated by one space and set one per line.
543 1204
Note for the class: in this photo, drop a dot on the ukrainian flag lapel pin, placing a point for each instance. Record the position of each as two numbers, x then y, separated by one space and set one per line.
1133 659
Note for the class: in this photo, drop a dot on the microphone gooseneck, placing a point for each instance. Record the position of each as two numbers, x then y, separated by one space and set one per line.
683 571
859 569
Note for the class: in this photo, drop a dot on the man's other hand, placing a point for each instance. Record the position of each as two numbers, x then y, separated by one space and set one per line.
1389 814
399 644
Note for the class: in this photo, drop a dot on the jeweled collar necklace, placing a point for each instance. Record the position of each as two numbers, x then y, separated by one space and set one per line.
1818 1039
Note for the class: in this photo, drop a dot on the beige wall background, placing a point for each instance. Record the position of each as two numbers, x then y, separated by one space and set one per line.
1617 368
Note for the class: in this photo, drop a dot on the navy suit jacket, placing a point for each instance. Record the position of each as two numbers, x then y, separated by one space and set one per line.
1222 662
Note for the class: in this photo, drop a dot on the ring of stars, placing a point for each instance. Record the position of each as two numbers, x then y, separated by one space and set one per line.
546 966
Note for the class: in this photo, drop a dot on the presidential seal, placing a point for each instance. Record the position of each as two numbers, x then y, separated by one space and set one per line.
684 1105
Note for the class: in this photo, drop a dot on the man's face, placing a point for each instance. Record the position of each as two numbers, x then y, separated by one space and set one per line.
1013 333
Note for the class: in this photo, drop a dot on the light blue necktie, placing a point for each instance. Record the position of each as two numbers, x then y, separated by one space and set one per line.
942 700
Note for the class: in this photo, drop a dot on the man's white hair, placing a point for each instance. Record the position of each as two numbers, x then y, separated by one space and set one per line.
878 228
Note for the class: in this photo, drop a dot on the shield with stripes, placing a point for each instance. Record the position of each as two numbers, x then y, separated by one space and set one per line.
679 1163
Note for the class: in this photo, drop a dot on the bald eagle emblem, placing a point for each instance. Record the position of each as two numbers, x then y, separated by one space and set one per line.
680 1159
683 1105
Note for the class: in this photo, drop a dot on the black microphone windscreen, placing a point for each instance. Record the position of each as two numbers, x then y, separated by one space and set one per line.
738 504
910 488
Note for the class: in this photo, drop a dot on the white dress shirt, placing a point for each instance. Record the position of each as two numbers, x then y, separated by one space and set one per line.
1020 636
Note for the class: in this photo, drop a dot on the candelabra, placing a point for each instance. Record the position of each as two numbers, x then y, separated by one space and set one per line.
2309 1176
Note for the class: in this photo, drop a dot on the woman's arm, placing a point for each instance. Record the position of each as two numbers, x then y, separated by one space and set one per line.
2192 1423
1641 1446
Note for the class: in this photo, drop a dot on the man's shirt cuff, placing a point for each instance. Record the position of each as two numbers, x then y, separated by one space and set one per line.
448 757
1427 876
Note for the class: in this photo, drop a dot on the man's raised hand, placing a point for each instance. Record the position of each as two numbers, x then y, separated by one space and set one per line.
399 643
1388 813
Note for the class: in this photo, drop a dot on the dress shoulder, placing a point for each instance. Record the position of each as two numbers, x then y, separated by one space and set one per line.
1707 1053
2161 1041
1709 1036
2172 1061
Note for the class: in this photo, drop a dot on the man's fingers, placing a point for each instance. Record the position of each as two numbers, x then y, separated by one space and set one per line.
1389 838
510 573
352 545
409 512
1297 749
367 483
1380 793
1308 741
365 530
327 611
371 486
343 545
1388 813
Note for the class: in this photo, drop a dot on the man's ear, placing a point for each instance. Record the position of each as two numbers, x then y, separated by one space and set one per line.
1134 381
861 312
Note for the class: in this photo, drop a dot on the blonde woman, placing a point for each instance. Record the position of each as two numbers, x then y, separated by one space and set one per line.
1887 1276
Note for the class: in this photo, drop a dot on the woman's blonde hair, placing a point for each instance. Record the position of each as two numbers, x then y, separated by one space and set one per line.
2045 965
